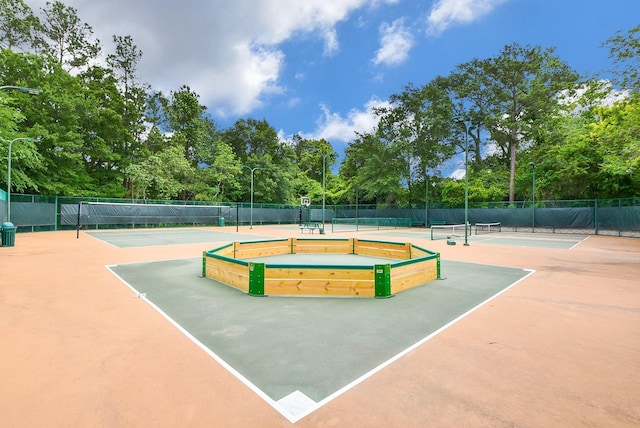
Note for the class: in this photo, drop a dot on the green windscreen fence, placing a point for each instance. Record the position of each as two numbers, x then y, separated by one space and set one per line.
35 213
3 206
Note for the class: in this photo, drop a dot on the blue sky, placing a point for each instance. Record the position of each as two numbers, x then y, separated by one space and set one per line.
317 67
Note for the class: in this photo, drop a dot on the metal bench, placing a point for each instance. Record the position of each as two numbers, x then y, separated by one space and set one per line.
308 226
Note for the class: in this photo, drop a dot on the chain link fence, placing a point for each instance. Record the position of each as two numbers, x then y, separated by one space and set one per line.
31 213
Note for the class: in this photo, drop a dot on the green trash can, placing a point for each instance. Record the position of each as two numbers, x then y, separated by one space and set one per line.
221 222
8 232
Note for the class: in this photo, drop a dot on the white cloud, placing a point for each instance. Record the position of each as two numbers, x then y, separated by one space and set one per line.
226 51
396 41
446 13
331 44
334 127
600 93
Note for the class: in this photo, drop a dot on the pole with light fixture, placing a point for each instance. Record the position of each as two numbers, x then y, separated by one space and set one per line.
32 140
254 169
466 181
324 188
533 196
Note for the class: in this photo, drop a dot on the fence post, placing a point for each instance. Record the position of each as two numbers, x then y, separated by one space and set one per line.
595 215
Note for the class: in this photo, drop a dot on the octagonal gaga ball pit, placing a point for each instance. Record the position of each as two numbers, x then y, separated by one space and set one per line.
231 265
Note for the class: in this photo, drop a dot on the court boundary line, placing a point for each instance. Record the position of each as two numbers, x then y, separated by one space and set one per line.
295 413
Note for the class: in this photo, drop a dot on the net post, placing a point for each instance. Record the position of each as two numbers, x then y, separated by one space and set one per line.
78 223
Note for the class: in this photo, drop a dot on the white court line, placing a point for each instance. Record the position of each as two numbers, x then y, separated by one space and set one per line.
297 405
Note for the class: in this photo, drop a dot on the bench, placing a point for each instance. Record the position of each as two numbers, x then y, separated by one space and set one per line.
437 222
309 226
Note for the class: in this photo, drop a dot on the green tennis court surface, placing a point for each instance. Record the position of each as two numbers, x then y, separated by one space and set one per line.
298 352
151 237
514 239
537 240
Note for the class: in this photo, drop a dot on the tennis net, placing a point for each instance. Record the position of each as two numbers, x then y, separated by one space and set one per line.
446 231
483 228
368 223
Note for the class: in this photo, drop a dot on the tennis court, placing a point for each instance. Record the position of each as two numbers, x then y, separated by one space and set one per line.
516 239
155 237
294 350
558 348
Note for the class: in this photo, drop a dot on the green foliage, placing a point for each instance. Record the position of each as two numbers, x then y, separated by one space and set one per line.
102 133
17 24
624 50
68 39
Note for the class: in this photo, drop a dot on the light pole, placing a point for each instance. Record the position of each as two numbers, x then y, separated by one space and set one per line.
426 198
466 181
32 140
251 206
533 196
31 91
324 160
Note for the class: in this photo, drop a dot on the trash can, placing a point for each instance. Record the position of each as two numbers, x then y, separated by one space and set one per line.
8 232
221 222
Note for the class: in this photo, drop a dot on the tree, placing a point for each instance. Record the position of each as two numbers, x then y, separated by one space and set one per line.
219 172
187 122
125 63
17 25
256 144
162 175
415 131
309 160
69 40
624 50
107 143
371 165
523 84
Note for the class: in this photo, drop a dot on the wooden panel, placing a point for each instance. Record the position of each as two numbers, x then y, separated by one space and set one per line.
302 273
319 287
227 251
418 252
411 276
229 273
412 267
323 246
250 250
383 249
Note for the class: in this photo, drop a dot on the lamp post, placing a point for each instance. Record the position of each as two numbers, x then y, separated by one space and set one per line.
251 206
533 196
466 181
426 198
324 159
32 140
31 91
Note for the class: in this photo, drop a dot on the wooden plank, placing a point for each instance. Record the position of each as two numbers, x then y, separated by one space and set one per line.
319 287
250 250
229 273
301 273
398 251
404 279
418 252
412 267
323 246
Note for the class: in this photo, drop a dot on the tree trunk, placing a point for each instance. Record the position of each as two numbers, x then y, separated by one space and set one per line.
512 175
